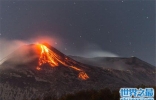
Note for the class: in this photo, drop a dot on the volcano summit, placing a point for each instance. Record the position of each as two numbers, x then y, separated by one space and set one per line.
54 59
39 70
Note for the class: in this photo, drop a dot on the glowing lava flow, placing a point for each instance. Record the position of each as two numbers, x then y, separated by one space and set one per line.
47 57
50 57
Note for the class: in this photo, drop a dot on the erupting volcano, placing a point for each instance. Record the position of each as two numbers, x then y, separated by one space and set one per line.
53 59
39 70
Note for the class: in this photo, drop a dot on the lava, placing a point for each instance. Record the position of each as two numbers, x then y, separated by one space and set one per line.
46 57
53 59
83 75
38 68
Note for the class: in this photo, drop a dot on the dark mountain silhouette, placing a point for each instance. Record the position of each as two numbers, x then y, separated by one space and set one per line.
38 70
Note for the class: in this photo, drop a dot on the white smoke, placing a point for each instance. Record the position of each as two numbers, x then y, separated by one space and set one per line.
99 53
8 46
92 50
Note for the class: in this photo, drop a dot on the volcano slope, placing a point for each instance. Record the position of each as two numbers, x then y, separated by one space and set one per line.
39 70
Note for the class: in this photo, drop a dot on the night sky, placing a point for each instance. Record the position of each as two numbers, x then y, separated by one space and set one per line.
118 28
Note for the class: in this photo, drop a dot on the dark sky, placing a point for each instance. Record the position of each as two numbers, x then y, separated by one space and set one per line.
125 28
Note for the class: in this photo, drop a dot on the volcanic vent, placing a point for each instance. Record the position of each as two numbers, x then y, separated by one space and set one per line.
55 58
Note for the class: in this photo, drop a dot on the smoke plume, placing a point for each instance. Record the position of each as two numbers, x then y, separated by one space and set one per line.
9 46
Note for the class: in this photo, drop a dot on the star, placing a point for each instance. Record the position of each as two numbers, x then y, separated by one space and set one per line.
70 25
130 43
147 17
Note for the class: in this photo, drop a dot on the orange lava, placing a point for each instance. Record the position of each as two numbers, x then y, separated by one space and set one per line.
83 75
73 67
38 68
50 57
47 57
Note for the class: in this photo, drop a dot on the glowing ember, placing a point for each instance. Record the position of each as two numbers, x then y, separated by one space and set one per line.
50 57
83 75
38 68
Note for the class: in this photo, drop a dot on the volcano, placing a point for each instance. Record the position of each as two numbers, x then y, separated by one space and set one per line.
39 70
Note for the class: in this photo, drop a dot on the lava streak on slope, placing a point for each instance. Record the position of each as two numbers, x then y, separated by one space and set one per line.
53 59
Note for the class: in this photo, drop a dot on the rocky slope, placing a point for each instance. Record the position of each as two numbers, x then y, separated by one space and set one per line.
21 80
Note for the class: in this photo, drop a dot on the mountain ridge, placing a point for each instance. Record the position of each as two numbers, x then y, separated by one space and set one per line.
19 79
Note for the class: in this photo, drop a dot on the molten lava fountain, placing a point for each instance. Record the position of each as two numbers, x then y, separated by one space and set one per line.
53 59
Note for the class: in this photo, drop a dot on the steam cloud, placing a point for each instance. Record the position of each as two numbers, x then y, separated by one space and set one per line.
92 50
99 53
9 46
